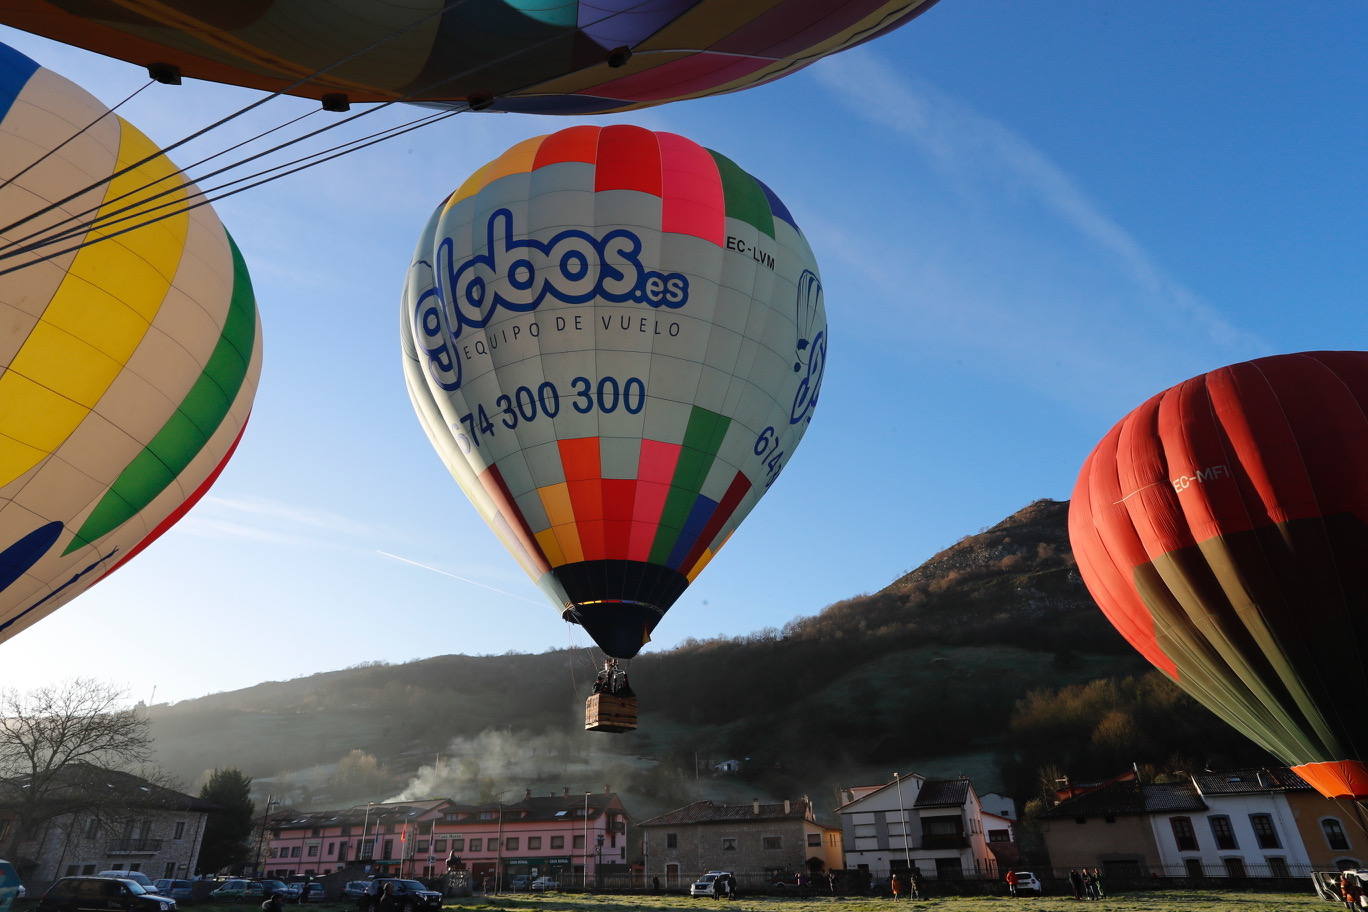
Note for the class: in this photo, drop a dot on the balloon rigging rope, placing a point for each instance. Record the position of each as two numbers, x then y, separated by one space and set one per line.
379 138
57 148
108 217
319 157
162 152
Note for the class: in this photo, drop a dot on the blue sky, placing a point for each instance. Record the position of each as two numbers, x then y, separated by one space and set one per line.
1029 218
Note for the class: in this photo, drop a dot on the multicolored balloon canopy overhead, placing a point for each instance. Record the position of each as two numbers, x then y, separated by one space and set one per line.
1223 528
615 339
129 365
547 56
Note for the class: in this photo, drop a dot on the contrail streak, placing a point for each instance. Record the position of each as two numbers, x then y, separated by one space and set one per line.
464 579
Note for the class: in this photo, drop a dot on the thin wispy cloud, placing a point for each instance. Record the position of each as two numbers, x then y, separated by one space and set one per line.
291 514
972 151
207 527
455 576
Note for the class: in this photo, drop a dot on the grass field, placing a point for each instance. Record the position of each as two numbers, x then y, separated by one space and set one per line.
1174 901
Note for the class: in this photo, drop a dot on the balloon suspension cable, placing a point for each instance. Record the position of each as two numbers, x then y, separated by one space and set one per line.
57 148
310 161
109 218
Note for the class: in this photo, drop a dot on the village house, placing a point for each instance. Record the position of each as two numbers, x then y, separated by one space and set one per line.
758 842
569 837
1238 824
119 822
936 825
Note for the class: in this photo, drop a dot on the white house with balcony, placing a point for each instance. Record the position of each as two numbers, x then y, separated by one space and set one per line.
935 825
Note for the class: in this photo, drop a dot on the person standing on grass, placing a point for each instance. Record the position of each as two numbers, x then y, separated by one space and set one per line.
1076 881
895 886
1011 879
1350 890
918 884
1097 883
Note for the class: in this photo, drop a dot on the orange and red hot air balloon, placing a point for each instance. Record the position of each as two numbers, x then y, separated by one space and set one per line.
1222 526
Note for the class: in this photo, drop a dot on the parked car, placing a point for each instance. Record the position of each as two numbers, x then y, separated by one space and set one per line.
176 889
707 884
240 889
136 876
1029 883
519 882
102 894
354 889
542 884
10 887
313 892
409 895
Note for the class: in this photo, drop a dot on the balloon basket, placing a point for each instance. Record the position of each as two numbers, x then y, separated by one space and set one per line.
605 712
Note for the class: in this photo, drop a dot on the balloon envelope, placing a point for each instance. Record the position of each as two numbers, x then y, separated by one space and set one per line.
615 340
549 56
1222 526
129 365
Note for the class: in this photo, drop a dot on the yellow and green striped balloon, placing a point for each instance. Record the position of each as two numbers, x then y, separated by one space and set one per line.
127 366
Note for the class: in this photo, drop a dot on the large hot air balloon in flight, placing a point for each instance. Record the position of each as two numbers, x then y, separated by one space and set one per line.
127 366
1222 526
533 56
615 339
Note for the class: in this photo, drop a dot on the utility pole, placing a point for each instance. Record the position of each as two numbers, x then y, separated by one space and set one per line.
907 845
585 885
365 828
261 836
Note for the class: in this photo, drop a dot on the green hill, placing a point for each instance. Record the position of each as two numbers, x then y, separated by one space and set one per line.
931 673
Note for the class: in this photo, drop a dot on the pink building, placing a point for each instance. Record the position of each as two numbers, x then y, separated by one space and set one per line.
558 835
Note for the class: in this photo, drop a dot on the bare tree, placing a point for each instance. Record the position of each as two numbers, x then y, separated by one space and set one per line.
55 744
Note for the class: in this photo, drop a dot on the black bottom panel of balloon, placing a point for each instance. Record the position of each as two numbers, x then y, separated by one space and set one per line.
619 602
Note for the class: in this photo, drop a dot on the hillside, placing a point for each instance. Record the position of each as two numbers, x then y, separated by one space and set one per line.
923 674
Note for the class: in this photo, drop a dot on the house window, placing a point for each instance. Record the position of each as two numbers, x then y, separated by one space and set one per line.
671 840
772 842
136 866
999 836
274 850
389 831
865 830
1194 868
458 843
439 845
294 851
87 869
332 849
71 870
1264 832
831 839
1334 834
729 843
313 851
389 848
476 844
1222 832
180 832
511 843
1235 868
169 870
557 842
579 842
1277 867
1183 834
422 847
488 815
534 842
814 839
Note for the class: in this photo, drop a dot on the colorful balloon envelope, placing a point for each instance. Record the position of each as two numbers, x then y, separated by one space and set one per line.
534 56
129 365
615 339
1223 528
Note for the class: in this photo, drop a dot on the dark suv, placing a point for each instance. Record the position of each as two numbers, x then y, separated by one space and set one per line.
409 895
102 894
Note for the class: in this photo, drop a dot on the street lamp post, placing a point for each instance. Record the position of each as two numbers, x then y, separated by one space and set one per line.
902 811
365 828
265 818
585 884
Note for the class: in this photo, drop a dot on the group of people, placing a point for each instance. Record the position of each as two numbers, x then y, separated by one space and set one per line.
724 887
1351 891
1087 884
912 884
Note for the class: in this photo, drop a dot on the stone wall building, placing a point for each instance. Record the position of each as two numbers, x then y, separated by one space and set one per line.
124 823
757 842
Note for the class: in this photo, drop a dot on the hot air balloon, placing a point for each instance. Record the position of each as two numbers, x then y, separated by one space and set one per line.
549 56
129 364
615 339
1222 526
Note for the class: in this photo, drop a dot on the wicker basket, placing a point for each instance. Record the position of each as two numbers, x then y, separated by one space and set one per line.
610 713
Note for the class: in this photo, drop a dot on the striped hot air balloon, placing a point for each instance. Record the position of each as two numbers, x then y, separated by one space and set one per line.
532 56
1222 526
129 365
615 339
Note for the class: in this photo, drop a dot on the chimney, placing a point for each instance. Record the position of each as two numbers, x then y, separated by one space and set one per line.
788 808
527 794
565 791
755 805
